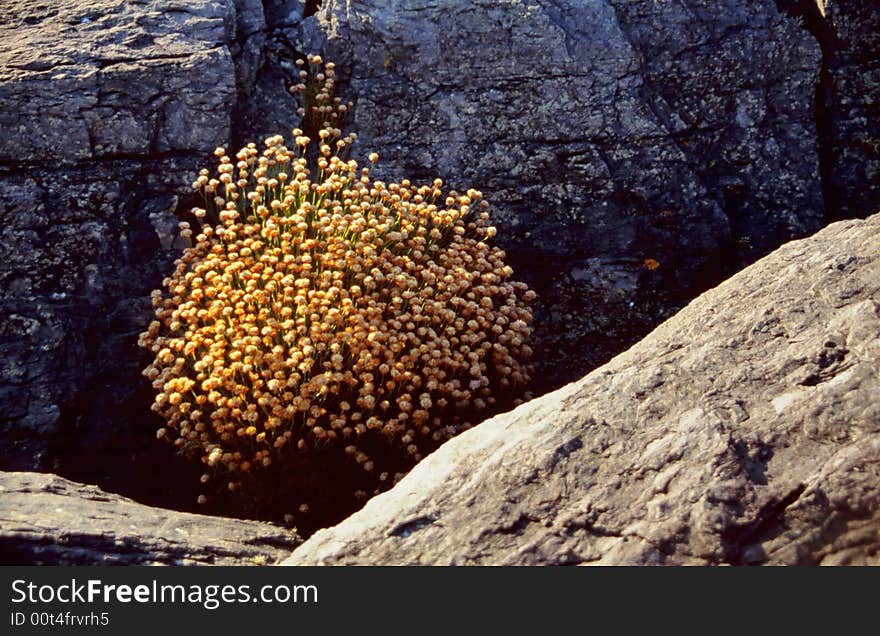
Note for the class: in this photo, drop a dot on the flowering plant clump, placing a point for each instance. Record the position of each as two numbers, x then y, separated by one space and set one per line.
319 311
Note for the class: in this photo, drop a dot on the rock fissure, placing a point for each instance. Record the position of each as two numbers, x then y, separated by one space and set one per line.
766 521
811 17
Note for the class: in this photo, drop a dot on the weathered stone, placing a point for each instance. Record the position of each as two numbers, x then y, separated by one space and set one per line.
744 430
611 135
108 108
267 107
97 79
248 47
47 520
849 104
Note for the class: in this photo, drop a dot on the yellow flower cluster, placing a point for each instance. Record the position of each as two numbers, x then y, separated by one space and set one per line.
317 307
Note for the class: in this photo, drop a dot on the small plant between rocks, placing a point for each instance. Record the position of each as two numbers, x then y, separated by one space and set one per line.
325 330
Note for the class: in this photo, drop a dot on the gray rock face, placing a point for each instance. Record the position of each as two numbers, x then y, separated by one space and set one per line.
744 430
107 109
849 31
97 79
607 133
47 520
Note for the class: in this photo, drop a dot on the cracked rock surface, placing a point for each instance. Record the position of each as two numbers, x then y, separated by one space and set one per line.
47 520
744 430
96 79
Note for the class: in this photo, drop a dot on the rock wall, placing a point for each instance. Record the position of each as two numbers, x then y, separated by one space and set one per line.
636 152
108 108
849 31
744 430
846 108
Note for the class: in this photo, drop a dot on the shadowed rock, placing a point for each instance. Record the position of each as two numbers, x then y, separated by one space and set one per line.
47 520
847 104
108 109
744 430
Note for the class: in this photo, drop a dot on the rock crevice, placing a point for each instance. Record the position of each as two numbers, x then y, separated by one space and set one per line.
845 105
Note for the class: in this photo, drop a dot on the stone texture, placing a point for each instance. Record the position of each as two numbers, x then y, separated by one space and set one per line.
108 108
47 520
606 132
89 80
849 104
266 107
744 430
